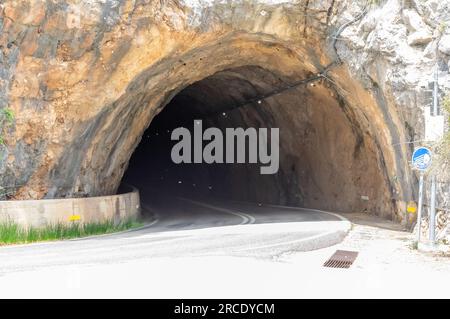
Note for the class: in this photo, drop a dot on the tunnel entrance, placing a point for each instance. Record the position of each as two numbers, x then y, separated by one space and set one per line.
328 159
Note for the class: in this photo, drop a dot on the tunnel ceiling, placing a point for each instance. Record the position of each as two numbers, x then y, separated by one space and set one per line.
85 80
223 92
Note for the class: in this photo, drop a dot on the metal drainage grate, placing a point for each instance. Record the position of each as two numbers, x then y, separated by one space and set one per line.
341 259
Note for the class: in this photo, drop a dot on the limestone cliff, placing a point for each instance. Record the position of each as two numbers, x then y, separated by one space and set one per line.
85 78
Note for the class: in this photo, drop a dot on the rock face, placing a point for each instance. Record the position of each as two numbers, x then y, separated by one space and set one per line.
84 80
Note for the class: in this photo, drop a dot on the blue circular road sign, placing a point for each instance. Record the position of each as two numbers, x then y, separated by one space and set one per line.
421 158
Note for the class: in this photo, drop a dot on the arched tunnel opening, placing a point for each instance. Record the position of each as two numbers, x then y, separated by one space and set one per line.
328 158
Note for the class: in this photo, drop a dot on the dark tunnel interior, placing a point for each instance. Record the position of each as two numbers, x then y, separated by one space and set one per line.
213 102
327 157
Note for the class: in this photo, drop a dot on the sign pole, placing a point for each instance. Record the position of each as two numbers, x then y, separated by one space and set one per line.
435 112
421 160
419 208
433 210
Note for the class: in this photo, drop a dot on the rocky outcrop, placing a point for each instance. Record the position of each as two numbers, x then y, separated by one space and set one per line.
85 78
398 45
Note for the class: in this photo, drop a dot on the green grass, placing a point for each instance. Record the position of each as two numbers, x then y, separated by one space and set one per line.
11 233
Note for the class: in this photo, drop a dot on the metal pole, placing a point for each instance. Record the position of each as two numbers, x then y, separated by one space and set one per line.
419 208
434 111
433 210
432 223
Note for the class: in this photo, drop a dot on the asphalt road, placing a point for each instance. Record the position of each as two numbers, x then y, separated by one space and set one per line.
181 213
181 228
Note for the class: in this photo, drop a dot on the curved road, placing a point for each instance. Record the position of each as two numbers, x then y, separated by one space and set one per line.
180 228
181 213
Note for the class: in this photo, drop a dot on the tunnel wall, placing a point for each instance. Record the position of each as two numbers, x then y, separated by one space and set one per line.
85 79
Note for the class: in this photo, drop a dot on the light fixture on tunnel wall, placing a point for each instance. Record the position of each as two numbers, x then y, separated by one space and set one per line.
316 77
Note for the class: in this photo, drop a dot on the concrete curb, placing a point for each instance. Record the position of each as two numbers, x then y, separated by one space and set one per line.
149 223
436 248
132 230
39 213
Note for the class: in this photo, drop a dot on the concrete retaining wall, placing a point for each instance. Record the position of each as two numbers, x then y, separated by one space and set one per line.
38 213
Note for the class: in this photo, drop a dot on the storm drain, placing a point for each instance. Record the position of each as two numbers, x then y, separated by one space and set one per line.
341 259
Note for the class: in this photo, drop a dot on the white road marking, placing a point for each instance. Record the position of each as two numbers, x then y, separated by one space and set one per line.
291 242
299 208
246 218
